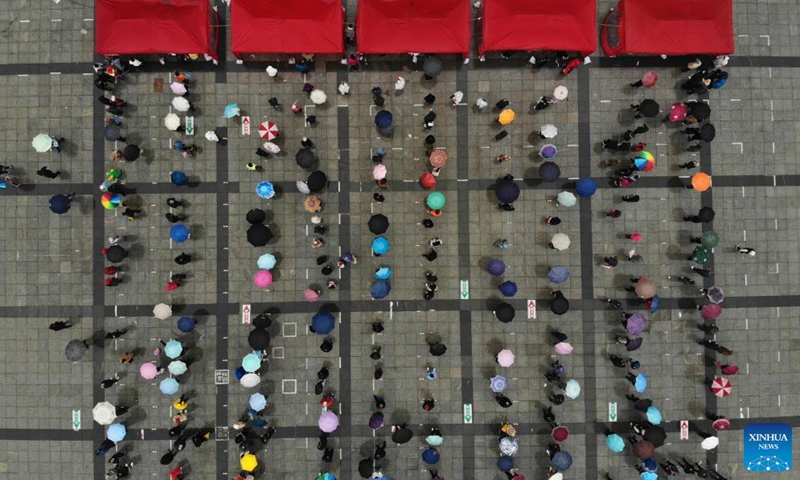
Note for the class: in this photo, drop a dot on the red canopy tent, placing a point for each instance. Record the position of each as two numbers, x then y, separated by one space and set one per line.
140 27
564 25
418 26
287 26
669 27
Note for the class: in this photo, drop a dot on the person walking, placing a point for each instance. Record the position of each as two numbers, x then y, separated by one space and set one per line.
631 198
47 173
689 165
614 213
703 272
183 258
610 262
112 282
430 256
172 218
715 346
59 325
727 369
174 203
130 213
503 400
126 357
109 382
116 334
746 250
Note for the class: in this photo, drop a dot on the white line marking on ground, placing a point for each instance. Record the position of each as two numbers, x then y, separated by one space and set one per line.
741 146
768 39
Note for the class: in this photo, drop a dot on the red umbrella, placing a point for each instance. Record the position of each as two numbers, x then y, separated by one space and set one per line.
427 180
721 424
649 79
711 312
268 130
721 387
643 449
560 433
677 112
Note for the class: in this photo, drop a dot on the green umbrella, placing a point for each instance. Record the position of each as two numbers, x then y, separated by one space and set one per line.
435 200
700 255
709 239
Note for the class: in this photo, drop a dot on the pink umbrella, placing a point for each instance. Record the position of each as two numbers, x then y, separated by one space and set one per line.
262 278
711 312
677 112
505 358
148 370
379 171
310 295
563 348
328 422
649 79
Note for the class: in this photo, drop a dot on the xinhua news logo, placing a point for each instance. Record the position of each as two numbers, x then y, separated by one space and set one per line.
768 447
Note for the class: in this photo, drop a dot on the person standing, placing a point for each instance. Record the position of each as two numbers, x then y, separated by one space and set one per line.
47 173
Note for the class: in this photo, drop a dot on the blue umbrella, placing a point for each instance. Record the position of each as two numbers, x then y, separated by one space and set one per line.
380 245
116 432
558 274
267 261
380 289
498 383
173 349
179 233
548 151
430 456
653 415
641 383
383 273
239 372
648 476
561 461
59 204
265 190
383 119
505 463
178 178
231 110
508 288
507 191
615 443
549 172
655 304
251 362
323 322
258 402
650 464
168 386
326 476
495 267
585 187
186 324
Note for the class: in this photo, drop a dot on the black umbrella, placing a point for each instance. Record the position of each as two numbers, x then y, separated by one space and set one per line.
116 254
649 108
75 350
706 214
507 191
259 339
504 312
112 132
317 181
305 158
402 435
378 224
655 435
549 172
437 349
635 344
256 215
432 67
262 320
365 468
131 152
707 132
59 204
699 110
559 305
258 235
642 404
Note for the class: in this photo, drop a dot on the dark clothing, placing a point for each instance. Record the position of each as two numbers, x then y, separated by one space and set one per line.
47 173
173 203
614 213
306 143
430 140
273 102
556 399
109 382
183 259
429 99
430 117
503 134
326 346
59 325
427 223
172 218
380 403
703 272
262 153
503 103
431 256
503 401
631 198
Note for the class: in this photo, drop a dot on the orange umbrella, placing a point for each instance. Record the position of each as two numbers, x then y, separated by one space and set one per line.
701 181
438 158
507 116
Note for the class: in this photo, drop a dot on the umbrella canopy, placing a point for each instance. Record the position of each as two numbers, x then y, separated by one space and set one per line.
431 456
649 79
59 204
323 322
437 349
162 311
328 422
172 122
648 475
438 158
42 143
434 440
708 132
256 215
548 130
636 324
560 433
268 130
585 187
655 303
709 239
265 190
563 348
709 443
258 339
378 224
248 462
548 151
326 476
573 389
655 435
251 362
506 116
505 358
558 274
560 92
701 181
715 294
177 367
262 320
645 288
178 88
427 180
615 443
561 461
432 67
643 449
559 305
104 413
507 191
131 152
258 402
231 110
509 446
504 312
173 349
721 387
379 171
699 110
262 278
179 233
653 415
706 214
560 241
148 370
435 200
549 172
498 383
634 345
366 467
317 181
259 235
178 178
112 132
305 158
180 104
380 289
640 383
250 380
711 312
376 420
267 261
649 108
271 147
644 161
75 350
508 288
700 255
383 273
505 463
721 424
495 267
168 386
383 119
116 432
402 435
566 199
380 245
677 112
317 96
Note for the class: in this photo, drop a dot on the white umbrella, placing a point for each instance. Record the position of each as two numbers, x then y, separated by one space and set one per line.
560 241
104 413
177 367
560 93
548 130
317 96
508 446
573 389
400 83
709 443
302 187
272 71
180 104
178 88
42 143
271 147
162 311
250 380
344 88
172 122
566 199
212 136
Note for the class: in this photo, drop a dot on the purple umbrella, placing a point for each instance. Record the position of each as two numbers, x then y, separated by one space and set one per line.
328 422
376 420
495 267
636 324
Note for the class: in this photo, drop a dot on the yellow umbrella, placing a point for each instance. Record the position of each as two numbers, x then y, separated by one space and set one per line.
248 462
506 116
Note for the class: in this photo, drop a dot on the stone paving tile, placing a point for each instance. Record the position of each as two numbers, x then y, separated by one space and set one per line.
19 460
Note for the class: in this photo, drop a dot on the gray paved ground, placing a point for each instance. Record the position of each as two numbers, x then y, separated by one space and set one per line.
52 270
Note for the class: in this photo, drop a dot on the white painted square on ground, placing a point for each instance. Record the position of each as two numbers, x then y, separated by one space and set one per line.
278 352
289 330
289 386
